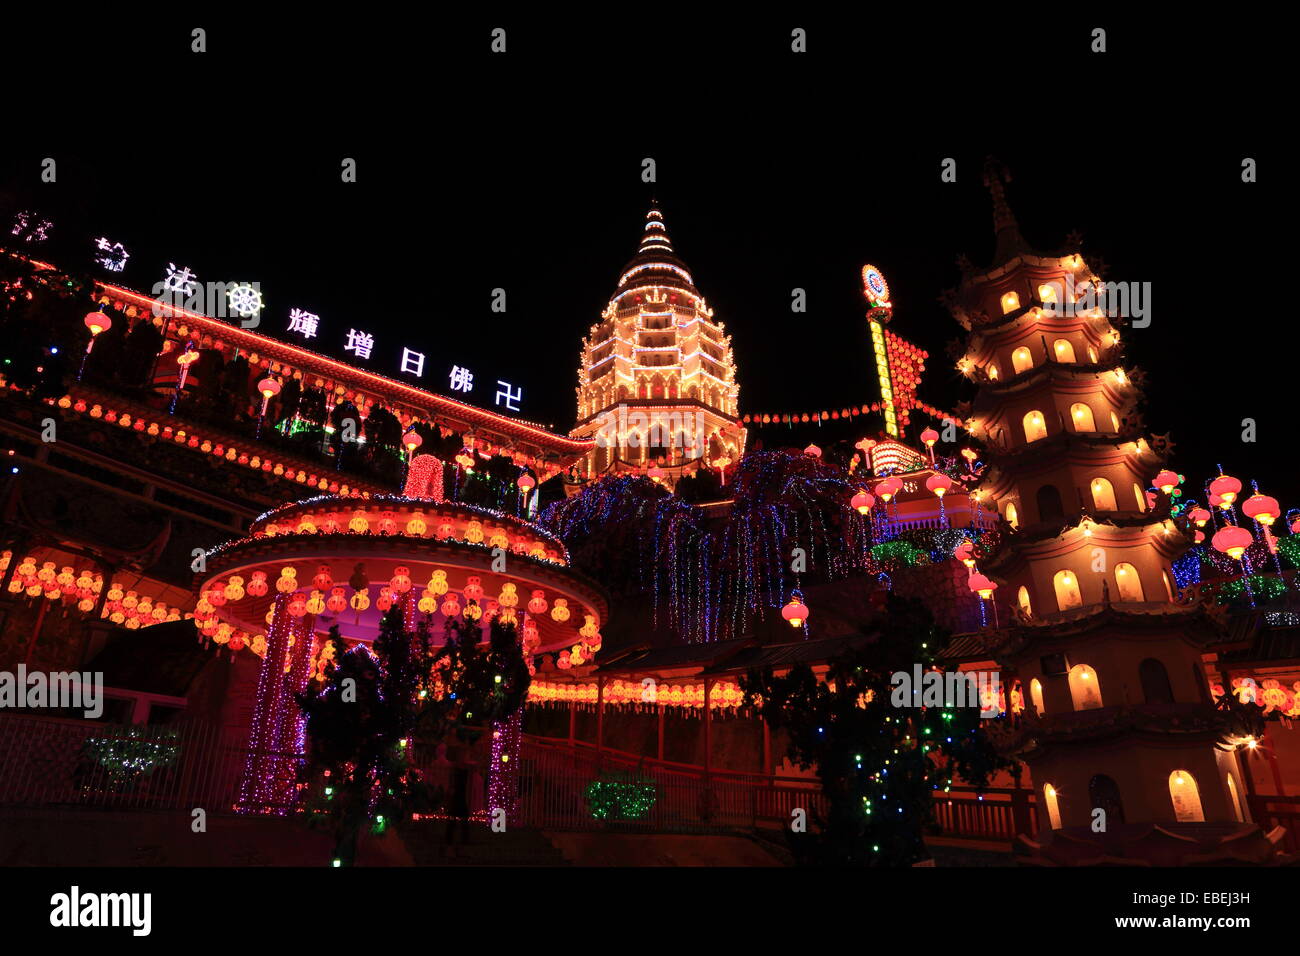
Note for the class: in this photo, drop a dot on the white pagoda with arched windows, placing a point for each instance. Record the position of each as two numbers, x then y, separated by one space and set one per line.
1130 758
657 386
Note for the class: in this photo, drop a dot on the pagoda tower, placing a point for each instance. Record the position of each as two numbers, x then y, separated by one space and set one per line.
1117 711
657 385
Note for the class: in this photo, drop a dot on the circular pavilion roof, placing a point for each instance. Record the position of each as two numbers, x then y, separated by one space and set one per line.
362 552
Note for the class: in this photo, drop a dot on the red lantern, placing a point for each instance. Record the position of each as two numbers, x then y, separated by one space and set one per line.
864 501
938 483
98 322
1166 481
337 600
473 589
1232 541
796 612
981 585
538 603
1226 487
411 441
526 482
1262 508
324 579
888 488
1200 516
656 474
929 436
813 451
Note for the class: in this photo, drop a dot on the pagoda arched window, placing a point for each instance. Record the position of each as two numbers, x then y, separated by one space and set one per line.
1035 426
1053 805
1036 696
1156 688
1010 302
1128 582
1084 689
1047 293
993 372
1049 504
1103 793
1140 497
1103 495
1022 360
1066 586
1063 350
1186 797
1013 518
1081 415
1169 590
1022 598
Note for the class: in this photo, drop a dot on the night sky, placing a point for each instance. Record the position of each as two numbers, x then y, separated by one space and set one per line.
524 172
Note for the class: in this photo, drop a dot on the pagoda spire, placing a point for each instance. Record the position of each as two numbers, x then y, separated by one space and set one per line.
655 239
1010 243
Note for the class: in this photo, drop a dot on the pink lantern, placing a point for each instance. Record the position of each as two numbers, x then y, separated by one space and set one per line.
1166 481
411 441
1226 487
526 482
864 501
796 612
888 488
1262 508
981 585
1200 516
1232 541
938 483
813 451
98 322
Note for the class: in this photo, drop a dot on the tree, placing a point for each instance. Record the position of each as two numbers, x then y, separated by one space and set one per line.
379 704
879 764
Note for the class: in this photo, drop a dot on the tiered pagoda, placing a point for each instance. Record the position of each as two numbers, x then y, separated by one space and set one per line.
1130 757
657 386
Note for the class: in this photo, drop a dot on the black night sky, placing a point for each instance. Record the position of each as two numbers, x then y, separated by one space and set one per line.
524 172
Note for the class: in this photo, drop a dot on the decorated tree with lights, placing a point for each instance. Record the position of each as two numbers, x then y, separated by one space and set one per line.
879 764
380 704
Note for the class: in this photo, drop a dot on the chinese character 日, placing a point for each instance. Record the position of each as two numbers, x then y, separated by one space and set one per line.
362 343
462 379
511 396
412 362
303 321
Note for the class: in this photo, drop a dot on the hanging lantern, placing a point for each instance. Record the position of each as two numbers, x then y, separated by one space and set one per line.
537 605
1166 481
929 437
888 488
509 596
451 606
965 553
1232 541
981 585
416 526
97 322
796 612
234 588
474 588
1262 508
337 600
324 579
411 441
258 587
438 582
401 580
812 451
1200 516
465 458
526 482
864 501
655 473
560 612
1226 487
938 483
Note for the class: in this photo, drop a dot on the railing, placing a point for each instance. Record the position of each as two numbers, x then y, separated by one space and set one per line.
68 763
49 762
